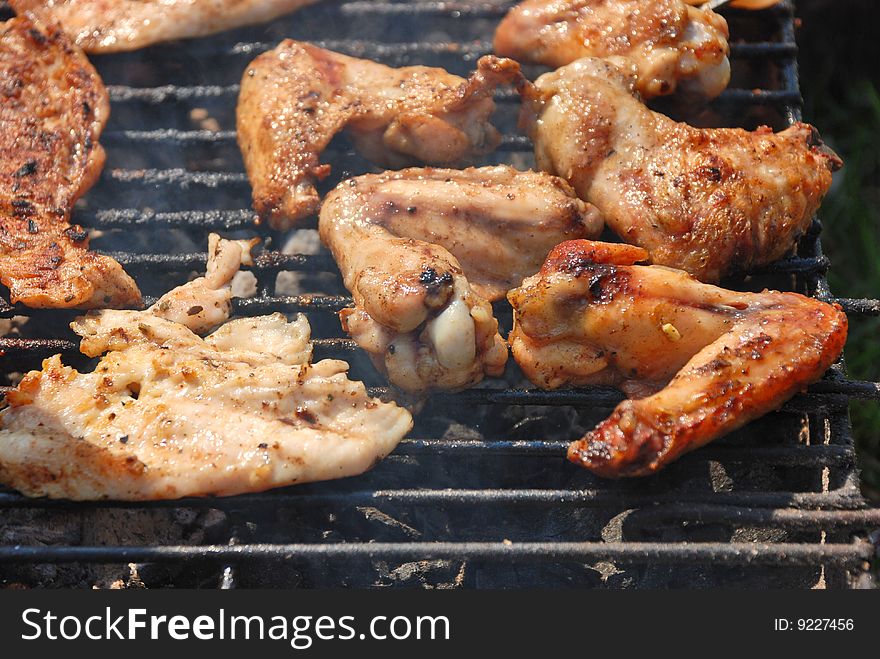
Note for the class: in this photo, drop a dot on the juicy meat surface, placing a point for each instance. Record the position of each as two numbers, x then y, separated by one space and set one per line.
698 361
713 202
108 26
167 414
425 251
295 98
205 303
668 45
53 107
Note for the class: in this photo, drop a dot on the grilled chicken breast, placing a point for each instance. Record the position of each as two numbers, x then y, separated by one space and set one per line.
425 251
167 414
295 98
713 202
108 26
53 109
698 361
668 46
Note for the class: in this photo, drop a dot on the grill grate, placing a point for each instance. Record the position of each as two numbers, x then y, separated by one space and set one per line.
482 496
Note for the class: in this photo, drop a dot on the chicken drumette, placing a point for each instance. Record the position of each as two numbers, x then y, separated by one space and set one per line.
425 251
712 202
698 361
667 44
295 98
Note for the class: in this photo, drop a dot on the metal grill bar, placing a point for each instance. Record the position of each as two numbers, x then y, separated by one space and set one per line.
472 50
165 93
802 457
625 553
177 176
270 260
594 498
434 9
171 136
159 95
125 218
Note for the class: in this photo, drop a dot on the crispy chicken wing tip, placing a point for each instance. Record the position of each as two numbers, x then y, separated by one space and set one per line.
499 70
610 451
492 72
815 141
599 455
573 254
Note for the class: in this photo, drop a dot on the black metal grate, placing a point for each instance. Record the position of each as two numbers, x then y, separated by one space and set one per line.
482 495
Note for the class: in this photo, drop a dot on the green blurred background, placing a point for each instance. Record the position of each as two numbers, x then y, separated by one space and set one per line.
840 79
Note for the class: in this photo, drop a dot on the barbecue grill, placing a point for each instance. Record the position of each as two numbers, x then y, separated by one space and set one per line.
480 495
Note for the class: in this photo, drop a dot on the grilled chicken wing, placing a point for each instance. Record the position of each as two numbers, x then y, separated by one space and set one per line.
715 358
167 414
109 26
666 44
53 109
712 202
295 98
424 251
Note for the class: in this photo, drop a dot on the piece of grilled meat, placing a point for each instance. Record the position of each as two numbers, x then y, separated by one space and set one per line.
167 414
668 45
109 26
295 98
425 251
53 109
697 361
713 202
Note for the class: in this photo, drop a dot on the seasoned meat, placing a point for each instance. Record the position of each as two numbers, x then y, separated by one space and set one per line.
713 202
109 26
668 46
53 109
424 252
205 303
698 361
167 414
295 98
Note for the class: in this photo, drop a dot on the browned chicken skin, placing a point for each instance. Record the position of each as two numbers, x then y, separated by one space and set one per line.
424 252
109 26
295 98
668 45
53 109
713 202
715 358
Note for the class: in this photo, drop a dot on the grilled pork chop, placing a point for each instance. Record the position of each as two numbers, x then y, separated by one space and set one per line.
52 111
297 97
167 414
107 26
698 361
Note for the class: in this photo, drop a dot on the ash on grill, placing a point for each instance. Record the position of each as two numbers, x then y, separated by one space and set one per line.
482 496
